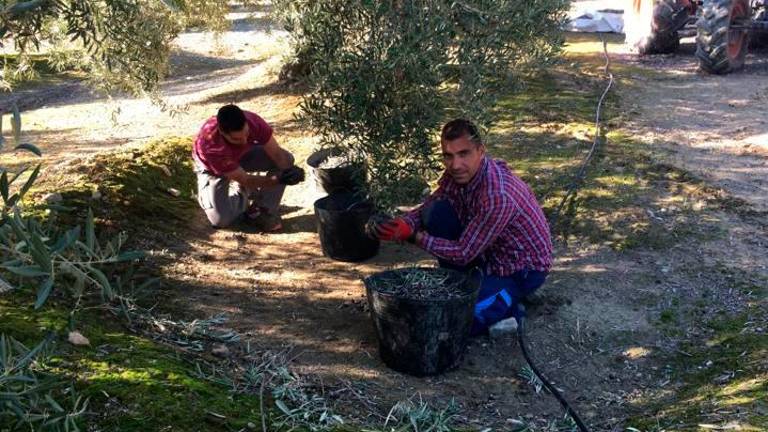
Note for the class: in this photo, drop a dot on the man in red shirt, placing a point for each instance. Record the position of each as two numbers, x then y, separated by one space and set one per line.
481 216
230 149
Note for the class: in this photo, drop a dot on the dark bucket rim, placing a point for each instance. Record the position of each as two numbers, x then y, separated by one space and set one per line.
356 203
472 293
318 156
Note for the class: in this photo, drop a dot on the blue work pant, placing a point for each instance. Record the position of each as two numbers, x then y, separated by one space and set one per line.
499 297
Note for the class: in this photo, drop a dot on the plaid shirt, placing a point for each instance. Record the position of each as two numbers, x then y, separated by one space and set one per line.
504 224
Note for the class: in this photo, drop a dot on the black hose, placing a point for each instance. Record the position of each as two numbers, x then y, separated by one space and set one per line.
570 192
573 187
568 410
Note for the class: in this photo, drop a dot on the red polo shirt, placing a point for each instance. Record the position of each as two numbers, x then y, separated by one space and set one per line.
219 156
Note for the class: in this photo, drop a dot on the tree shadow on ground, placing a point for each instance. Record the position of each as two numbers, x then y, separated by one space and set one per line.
273 89
279 290
191 72
264 23
58 154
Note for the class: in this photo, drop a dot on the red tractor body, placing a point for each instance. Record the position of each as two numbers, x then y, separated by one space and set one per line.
723 29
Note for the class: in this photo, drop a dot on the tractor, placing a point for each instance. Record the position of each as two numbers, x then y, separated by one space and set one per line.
724 29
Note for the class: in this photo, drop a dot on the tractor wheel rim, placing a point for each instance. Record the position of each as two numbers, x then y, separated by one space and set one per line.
737 38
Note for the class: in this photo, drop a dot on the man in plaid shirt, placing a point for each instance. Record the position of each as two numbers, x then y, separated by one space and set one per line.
481 216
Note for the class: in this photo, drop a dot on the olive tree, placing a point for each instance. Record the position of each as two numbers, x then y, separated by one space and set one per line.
384 75
122 44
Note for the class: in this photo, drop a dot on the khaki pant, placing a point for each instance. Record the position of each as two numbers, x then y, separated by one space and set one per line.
224 201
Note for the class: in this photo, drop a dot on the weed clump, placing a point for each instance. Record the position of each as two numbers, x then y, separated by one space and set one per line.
152 185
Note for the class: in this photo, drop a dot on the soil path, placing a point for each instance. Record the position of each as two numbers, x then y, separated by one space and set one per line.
715 126
66 119
593 324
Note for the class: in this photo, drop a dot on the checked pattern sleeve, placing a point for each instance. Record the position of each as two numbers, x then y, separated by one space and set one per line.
496 212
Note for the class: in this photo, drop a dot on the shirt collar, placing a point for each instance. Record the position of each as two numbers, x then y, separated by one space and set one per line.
478 178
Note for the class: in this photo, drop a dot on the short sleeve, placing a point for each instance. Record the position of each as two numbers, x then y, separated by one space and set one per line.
260 130
220 165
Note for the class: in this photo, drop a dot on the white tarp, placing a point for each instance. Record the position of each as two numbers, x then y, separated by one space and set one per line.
606 20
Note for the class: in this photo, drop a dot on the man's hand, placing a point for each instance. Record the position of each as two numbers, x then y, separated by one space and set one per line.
389 230
292 176
252 182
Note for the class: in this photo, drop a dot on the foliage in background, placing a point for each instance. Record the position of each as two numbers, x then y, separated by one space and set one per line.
124 44
384 75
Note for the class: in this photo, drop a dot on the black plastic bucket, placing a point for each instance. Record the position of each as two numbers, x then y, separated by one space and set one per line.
422 336
346 178
341 220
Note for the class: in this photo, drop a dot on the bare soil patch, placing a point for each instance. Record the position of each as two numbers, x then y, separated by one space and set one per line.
714 126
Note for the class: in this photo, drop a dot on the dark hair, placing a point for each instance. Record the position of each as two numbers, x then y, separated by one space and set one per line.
230 118
458 128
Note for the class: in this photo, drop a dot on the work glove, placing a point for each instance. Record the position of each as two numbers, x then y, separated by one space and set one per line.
292 176
396 229
373 224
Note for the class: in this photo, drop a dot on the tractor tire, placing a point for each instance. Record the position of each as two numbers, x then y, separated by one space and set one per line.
719 49
669 16
759 40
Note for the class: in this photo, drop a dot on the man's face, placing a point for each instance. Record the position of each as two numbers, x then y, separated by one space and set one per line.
238 138
462 158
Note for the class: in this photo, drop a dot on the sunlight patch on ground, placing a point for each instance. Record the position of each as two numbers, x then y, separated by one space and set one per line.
618 180
734 426
742 387
591 268
105 371
696 399
737 401
590 43
636 353
578 130
276 108
598 193
331 372
760 140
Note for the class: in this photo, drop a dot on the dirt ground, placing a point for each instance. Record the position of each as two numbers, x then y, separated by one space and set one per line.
714 126
592 325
